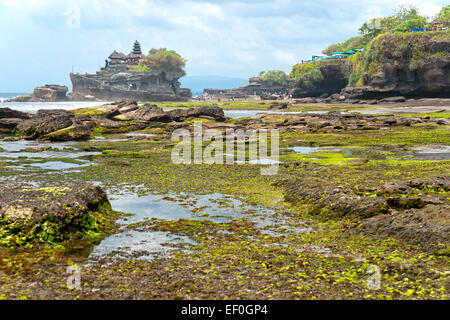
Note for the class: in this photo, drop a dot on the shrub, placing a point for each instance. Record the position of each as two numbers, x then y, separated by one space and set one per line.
168 60
274 77
140 67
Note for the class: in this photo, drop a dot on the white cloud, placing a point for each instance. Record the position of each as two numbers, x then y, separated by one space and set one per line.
230 37
191 22
285 57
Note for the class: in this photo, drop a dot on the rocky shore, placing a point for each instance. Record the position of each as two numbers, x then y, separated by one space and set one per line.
62 125
353 190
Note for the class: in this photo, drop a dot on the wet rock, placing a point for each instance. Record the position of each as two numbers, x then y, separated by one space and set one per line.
9 119
439 183
55 125
394 99
44 122
146 113
213 113
10 113
428 226
149 113
53 214
333 120
333 201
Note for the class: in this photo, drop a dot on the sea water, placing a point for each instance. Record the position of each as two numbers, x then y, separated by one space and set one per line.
33 107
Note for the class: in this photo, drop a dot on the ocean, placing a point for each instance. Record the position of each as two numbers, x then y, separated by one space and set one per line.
33 107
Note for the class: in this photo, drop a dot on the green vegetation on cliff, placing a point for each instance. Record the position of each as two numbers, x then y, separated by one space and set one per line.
168 60
385 42
404 19
274 77
405 50
304 74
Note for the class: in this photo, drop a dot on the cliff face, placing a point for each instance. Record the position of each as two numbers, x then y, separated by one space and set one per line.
407 64
325 78
150 85
412 65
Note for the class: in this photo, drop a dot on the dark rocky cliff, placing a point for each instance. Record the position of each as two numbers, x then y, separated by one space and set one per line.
329 77
154 85
411 65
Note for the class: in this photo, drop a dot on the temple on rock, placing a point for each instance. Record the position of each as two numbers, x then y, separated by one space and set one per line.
118 60
120 79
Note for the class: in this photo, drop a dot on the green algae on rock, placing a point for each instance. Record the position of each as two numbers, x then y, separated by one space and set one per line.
54 214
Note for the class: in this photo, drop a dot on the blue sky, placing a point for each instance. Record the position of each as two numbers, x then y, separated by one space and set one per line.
42 40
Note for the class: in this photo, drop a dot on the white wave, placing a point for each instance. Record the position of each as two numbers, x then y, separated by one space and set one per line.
33 107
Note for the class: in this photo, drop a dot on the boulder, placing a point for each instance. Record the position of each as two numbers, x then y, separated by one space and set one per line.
147 113
150 113
56 125
44 122
214 113
53 214
10 113
50 93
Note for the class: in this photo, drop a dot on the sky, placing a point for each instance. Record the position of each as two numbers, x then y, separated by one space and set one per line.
42 41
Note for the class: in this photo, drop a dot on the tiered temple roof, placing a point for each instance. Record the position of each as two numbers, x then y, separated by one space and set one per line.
117 56
137 52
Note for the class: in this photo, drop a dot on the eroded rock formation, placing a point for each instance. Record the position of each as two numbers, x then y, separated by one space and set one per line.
153 85
47 93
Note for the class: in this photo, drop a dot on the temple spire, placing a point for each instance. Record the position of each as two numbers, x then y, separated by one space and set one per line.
137 48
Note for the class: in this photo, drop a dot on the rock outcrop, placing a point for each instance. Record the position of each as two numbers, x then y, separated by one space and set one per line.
255 87
400 209
47 93
53 214
62 125
153 85
9 119
50 93
411 65
56 125
149 113
335 121
392 68
334 76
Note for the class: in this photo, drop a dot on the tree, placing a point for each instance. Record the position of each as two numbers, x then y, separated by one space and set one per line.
409 18
404 19
168 60
273 77
444 15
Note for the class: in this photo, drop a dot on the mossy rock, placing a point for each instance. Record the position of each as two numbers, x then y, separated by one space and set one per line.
54 214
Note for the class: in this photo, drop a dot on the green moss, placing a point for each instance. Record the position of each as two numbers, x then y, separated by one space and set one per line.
81 224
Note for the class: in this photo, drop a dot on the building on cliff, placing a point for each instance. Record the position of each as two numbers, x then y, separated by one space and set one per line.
120 79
